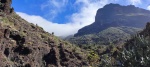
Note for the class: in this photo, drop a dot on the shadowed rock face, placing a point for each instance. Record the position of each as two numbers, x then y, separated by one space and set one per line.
146 31
23 44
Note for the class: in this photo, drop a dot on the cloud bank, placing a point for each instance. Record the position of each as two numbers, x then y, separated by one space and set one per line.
84 16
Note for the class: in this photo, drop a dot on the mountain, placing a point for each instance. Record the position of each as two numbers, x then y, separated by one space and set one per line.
115 15
114 24
23 44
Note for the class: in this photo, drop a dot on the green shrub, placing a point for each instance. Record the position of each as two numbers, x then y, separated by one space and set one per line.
136 53
105 61
93 58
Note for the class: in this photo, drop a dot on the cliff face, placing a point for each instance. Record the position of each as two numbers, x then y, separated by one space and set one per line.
115 15
26 45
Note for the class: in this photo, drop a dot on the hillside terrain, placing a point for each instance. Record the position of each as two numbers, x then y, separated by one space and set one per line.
111 35
23 44
133 53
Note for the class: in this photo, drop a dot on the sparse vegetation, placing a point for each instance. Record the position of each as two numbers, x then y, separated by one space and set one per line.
93 58
136 53
115 35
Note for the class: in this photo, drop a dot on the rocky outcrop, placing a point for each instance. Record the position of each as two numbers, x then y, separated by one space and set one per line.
5 6
146 31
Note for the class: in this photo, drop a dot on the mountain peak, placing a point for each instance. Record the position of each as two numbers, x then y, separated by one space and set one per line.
112 5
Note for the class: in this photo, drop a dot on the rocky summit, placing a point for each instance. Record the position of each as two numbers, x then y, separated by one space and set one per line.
23 44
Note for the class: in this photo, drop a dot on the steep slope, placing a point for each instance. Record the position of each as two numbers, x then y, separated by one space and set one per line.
26 45
111 35
114 15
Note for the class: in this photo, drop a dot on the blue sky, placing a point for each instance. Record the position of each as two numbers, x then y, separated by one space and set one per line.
66 17
47 9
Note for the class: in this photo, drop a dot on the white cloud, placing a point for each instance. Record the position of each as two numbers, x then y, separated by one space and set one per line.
148 8
58 29
86 14
135 2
